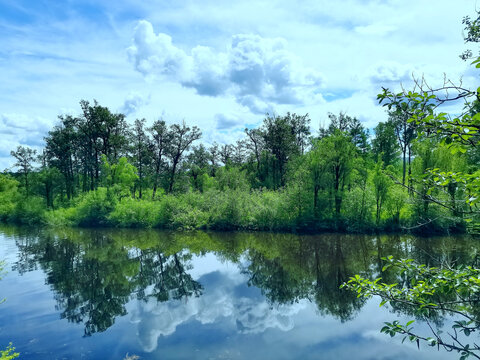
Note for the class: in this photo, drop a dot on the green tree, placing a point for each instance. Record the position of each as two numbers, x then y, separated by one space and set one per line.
141 151
62 151
434 291
25 157
284 138
406 132
182 136
349 125
385 143
119 177
161 139
337 153
381 184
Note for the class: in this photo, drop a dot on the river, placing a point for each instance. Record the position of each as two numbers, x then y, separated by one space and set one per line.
103 294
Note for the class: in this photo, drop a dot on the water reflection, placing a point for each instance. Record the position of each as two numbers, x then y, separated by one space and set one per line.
94 274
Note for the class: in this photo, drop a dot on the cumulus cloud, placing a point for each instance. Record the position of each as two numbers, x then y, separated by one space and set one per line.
133 102
257 71
152 52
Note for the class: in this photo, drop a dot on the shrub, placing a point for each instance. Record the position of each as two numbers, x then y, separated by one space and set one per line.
135 213
94 208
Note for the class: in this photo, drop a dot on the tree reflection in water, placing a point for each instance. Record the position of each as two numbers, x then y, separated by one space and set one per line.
95 273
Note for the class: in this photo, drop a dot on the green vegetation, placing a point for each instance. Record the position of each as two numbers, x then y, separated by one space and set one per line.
96 170
430 292
9 353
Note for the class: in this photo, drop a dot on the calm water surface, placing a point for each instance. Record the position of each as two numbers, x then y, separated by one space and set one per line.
100 294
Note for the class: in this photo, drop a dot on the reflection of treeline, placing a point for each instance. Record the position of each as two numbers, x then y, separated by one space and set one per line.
94 273
96 169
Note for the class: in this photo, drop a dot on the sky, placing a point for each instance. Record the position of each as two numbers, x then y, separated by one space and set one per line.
218 65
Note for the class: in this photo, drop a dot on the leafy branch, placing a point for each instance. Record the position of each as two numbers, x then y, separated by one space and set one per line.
426 292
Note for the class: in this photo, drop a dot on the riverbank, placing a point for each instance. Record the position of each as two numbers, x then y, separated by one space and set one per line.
277 211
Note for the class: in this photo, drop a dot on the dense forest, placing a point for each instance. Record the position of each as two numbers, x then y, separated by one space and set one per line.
98 170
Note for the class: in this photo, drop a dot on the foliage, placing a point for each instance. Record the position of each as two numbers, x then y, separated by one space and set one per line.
97 170
9 353
9 196
428 292
94 208
119 177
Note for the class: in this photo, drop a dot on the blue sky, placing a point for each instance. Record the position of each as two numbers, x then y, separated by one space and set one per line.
217 65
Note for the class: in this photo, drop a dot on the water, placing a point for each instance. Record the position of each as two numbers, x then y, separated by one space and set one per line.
103 294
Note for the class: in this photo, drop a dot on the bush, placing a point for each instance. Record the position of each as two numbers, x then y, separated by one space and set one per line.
28 211
135 213
61 217
94 208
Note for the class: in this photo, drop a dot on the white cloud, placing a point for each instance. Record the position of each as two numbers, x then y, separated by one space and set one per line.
152 52
257 71
51 62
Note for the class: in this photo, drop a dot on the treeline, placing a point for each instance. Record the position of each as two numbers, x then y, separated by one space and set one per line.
97 170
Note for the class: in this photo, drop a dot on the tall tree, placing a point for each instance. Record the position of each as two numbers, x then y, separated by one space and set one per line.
198 163
406 132
214 155
141 147
350 126
385 143
281 140
25 157
182 137
61 149
337 152
225 153
255 144
161 139
102 132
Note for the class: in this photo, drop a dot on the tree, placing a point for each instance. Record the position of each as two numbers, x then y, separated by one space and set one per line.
198 162
385 143
61 151
425 291
182 137
337 152
214 154
284 138
141 148
49 178
255 144
161 139
381 184
25 158
317 166
100 132
225 153
120 176
349 125
405 131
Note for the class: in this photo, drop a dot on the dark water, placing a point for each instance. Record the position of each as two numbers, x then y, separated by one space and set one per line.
100 294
